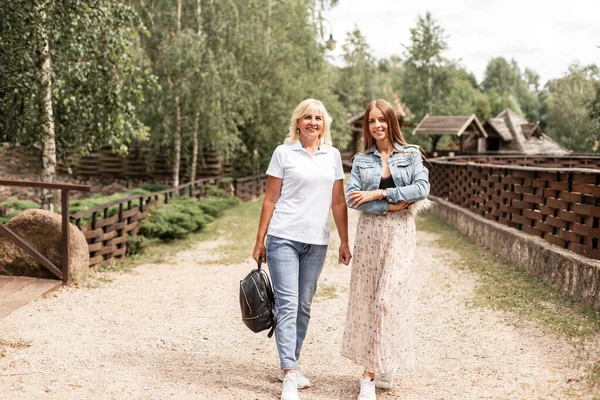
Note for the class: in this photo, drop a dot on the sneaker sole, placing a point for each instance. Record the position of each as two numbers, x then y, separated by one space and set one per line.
383 385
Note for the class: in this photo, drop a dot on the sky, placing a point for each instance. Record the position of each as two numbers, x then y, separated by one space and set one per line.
545 36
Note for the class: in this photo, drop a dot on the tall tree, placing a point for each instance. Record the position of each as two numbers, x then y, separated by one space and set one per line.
568 119
70 78
508 87
357 83
423 55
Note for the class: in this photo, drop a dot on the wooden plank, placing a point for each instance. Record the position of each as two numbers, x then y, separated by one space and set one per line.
13 284
33 289
95 260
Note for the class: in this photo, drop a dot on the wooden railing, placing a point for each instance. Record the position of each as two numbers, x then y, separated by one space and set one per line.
63 272
560 205
107 234
251 187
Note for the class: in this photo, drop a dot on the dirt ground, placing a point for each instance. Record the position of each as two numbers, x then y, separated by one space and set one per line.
173 331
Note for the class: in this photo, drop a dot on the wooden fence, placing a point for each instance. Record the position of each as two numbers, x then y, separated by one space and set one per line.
106 234
251 187
64 272
553 200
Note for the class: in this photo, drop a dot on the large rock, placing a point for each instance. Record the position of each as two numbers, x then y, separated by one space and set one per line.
42 230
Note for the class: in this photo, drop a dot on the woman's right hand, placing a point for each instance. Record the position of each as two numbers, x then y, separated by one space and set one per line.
398 206
259 251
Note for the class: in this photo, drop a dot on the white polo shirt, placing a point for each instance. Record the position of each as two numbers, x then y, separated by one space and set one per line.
302 211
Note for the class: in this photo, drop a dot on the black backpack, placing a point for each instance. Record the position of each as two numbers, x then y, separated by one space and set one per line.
257 301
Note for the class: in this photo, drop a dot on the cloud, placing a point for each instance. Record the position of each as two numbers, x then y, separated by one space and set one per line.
546 37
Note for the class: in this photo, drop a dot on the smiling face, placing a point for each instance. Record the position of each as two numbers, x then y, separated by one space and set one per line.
310 125
378 126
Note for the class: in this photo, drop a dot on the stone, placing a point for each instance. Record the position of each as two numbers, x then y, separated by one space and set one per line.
42 230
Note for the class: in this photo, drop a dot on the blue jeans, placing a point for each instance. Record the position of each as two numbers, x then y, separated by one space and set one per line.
295 268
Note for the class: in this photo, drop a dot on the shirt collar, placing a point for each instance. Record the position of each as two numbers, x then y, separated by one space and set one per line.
297 145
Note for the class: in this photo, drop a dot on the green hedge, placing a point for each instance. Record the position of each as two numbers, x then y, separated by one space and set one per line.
182 217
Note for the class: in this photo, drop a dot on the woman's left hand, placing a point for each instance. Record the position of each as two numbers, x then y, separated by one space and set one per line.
344 254
361 197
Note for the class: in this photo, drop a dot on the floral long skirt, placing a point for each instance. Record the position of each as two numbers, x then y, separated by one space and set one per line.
380 318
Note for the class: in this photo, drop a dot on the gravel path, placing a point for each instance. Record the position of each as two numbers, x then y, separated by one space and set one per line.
173 331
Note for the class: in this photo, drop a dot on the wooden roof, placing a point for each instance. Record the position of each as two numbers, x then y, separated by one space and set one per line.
531 129
497 126
437 125
528 136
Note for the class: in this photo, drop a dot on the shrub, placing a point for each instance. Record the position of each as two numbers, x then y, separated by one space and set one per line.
174 220
214 206
137 244
212 190
96 200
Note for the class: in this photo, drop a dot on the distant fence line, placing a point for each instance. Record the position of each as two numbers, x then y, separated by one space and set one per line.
107 226
555 198
139 163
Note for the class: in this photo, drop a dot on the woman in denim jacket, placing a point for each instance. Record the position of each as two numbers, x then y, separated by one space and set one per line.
389 184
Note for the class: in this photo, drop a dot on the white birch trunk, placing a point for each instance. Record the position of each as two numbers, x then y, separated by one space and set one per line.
48 198
177 162
197 118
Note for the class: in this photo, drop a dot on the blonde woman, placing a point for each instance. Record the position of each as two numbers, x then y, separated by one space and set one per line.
305 182
389 184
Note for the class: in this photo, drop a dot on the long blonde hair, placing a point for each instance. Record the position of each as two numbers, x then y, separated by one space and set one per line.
306 107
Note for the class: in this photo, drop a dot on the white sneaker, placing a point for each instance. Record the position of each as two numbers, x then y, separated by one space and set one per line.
303 381
290 387
367 389
385 381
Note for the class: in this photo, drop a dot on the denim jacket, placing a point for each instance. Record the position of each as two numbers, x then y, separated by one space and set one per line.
410 177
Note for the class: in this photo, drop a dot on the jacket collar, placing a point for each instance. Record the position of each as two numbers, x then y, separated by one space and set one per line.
374 150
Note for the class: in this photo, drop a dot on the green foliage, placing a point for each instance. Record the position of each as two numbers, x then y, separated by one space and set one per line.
174 220
98 73
215 206
568 116
212 190
357 80
182 217
137 244
508 87
96 200
14 207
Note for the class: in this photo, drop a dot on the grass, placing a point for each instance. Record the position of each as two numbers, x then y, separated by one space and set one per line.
510 288
325 292
238 227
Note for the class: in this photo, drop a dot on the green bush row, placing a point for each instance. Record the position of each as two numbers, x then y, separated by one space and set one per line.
179 218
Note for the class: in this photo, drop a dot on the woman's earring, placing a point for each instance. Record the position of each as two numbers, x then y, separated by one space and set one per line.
297 130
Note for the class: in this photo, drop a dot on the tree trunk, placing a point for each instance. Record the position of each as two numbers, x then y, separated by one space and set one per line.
177 144
48 198
197 118
177 162
199 16
269 12
195 146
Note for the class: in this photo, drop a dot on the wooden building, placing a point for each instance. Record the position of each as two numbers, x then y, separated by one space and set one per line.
508 132
467 128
